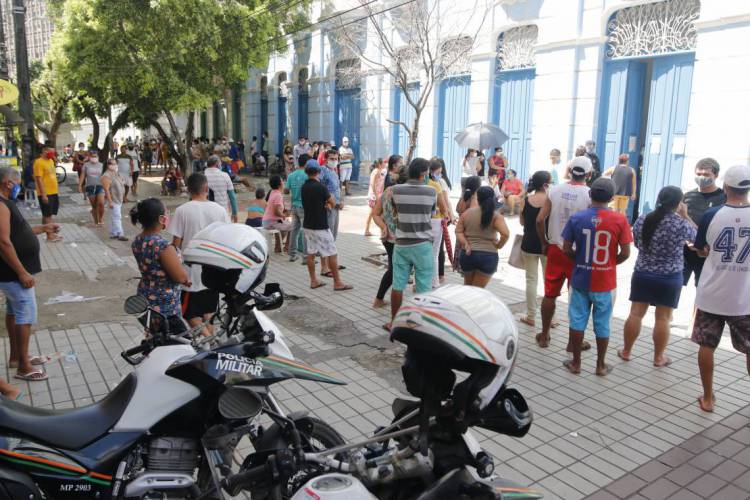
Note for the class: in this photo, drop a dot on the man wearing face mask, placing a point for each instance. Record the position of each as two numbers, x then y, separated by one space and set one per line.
330 179
19 261
45 178
596 170
707 195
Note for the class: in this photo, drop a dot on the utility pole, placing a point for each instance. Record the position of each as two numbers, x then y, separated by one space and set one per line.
4 71
24 83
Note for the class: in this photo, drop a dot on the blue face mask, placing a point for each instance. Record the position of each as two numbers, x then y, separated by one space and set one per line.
437 177
14 192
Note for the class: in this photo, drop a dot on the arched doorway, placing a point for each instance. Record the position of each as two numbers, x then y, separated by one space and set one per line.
281 113
303 99
263 114
645 97
347 109
453 106
513 93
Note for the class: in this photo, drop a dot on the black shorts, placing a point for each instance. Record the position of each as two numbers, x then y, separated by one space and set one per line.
134 175
693 265
51 207
196 304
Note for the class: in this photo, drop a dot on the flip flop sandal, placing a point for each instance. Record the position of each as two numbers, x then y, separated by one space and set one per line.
704 408
526 321
317 286
343 288
327 274
568 364
386 327
607 370
621 355
541 343
666 362
342 268
35 376
39 360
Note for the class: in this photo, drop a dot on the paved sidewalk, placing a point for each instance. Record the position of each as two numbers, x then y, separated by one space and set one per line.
631 433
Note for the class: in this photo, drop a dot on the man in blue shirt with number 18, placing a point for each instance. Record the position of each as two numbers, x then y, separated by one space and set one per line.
724 288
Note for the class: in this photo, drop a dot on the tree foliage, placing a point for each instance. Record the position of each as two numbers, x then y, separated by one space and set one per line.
158 57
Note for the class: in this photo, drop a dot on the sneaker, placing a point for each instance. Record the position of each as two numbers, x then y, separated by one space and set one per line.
293 258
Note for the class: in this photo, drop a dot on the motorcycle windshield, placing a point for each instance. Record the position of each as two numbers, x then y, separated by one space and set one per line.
278 347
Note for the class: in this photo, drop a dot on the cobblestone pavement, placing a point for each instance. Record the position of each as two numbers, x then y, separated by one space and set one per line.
637 432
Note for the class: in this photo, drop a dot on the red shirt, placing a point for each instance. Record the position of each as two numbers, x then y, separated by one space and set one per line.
513 186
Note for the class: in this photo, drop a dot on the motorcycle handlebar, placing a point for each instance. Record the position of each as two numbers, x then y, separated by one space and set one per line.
128 355
235 484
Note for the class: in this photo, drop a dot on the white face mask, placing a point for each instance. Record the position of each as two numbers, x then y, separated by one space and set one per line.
332 163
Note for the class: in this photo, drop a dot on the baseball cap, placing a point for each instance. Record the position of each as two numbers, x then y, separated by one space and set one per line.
738 176
580 165
602 189
312 166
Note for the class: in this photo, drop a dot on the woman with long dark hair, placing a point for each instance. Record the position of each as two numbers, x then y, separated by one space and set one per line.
438 173
657 279
531 246
482 232
384 217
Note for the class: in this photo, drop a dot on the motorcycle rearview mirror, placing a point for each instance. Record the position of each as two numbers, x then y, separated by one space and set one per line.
135 304
273 297
240 403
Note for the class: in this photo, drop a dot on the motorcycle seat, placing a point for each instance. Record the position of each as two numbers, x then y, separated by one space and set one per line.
72 428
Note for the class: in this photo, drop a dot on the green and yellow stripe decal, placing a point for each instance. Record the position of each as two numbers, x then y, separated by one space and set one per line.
58 467
227 254
454 330
288 364
524 493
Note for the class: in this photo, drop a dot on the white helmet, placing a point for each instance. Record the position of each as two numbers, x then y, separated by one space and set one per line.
457 327
234 257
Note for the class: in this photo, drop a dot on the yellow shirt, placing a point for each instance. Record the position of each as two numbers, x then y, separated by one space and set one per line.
45 168
438 190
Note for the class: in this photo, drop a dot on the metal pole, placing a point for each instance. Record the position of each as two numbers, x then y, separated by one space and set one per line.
3 54
24 83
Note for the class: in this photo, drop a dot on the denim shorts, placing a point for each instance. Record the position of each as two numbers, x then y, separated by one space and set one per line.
19 302
420 258
94 190
480 261
582 302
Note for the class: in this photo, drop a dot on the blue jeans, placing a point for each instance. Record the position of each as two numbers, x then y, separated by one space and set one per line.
295 242
19 302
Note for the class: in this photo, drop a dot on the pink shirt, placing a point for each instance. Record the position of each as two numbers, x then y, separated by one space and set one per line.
274 199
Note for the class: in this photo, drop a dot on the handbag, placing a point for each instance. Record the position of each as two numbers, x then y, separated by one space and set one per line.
516 257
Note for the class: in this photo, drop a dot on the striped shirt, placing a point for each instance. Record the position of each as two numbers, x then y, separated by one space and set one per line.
414 203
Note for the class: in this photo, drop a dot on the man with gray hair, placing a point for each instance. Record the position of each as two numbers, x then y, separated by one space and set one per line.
19 261
220 187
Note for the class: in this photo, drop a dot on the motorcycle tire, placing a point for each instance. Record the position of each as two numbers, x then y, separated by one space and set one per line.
321 437
325 435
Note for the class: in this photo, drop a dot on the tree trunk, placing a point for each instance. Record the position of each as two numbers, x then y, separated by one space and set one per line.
154 122
91 115
413 138
189 133
122 119
178 146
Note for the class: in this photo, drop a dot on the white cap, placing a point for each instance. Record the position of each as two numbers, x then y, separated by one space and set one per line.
580 165
738 176
344 139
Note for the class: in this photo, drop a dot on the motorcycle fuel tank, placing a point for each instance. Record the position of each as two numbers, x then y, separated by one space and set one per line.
333 487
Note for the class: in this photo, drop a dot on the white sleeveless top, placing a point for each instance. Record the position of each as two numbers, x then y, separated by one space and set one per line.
566 200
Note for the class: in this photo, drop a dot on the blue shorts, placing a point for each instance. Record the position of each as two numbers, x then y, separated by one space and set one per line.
656 289
480 261
420 258
581 304
19 302
94 190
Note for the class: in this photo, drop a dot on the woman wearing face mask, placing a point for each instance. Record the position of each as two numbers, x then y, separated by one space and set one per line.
531 246
468 166
374 189
90 175
114 191
442 212
159 261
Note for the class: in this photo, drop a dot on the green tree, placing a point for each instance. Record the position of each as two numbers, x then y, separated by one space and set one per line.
160 57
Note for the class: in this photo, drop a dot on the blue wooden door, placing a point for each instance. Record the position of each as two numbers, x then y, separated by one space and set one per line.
281 131
512 112
403 112
302 105
453 117
263 123
346 123
669 105
620 111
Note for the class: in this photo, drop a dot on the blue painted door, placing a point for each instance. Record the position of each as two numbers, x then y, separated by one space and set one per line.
281 131
620 112
512 112
669 105
263 123
403 112
346 123
453 117
302 105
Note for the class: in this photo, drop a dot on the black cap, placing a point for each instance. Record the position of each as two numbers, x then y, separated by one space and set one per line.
602 190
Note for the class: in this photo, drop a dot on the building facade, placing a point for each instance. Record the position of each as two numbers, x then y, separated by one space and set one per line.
663 81
39 28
